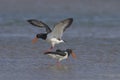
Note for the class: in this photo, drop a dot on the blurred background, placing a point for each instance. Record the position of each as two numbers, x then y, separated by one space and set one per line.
94 13
93 36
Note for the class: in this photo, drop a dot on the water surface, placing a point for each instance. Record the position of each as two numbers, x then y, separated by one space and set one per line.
93 36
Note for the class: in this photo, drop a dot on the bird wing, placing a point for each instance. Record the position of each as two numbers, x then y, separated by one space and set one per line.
39 24
58 50
56 53
60 27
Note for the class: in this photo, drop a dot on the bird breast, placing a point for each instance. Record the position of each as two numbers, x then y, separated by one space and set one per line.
55 40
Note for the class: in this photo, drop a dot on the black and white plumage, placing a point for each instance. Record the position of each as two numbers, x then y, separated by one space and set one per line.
61 54
52 36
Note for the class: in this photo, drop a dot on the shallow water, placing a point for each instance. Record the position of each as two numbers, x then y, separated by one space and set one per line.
93 36
96 59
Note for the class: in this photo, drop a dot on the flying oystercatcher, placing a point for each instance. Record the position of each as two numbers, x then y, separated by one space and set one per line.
51 36
61 54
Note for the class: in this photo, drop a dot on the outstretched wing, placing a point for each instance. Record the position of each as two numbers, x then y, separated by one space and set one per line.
39 24
60 27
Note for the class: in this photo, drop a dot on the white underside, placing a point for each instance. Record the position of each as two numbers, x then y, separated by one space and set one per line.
54 41
56 34
58 57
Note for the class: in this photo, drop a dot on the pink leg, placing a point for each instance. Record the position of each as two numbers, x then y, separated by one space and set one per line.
49 49
58 64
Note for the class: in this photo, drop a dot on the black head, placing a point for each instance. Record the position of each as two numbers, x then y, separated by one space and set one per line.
42 36
70 52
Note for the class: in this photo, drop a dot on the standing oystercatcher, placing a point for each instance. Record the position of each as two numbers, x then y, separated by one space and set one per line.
52 36
61 54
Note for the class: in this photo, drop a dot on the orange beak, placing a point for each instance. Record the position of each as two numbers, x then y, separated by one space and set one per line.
35 40
73 55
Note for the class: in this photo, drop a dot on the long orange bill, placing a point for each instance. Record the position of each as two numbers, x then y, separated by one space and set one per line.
73 55
35 40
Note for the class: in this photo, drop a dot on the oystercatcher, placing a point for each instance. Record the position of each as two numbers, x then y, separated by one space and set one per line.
61 54
52 36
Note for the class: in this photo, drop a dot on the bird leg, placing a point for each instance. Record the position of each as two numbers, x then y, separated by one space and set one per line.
49 49
58 64
67 59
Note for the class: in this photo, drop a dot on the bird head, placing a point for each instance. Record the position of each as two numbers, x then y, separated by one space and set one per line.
40 35
71 52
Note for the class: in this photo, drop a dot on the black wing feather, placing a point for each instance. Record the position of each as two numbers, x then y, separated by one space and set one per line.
39 24
70 22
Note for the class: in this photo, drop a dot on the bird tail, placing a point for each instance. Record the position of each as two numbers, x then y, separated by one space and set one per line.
47 53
